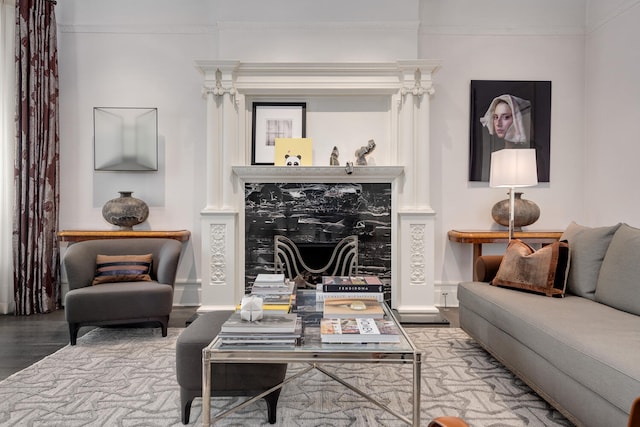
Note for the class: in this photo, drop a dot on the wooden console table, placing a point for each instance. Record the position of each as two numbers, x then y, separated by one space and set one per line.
478 237
73 236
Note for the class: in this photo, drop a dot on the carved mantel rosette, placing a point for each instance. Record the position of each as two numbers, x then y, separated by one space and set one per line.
417 87
218 88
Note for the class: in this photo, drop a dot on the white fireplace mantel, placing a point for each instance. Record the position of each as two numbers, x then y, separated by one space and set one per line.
325 174
317 78
231 86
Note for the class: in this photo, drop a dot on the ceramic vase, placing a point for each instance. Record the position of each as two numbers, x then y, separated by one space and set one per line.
525 212
125 211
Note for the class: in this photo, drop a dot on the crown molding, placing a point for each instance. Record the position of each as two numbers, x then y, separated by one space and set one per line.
137 29
376 26
453 30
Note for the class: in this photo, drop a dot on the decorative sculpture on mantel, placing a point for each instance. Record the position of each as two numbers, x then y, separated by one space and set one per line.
333 160
364 151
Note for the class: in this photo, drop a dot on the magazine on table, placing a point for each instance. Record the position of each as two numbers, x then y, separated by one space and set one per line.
358 330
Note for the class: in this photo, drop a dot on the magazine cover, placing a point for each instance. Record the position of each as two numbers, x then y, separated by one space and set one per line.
358 331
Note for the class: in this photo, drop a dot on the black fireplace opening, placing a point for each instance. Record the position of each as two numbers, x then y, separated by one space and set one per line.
316 217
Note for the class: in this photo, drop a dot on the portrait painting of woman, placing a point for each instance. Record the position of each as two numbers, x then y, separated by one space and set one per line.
509 114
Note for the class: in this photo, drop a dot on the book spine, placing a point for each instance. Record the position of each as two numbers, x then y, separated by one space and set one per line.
321 296
352 288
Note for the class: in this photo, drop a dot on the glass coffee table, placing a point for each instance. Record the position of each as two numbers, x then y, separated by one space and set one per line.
314 353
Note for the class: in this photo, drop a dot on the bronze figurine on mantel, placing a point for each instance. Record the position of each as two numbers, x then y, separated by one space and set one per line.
333 160
364 151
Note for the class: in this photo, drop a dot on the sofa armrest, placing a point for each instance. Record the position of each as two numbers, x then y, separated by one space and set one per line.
486 267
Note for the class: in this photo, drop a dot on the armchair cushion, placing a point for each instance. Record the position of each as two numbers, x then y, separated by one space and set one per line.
122 268
80 258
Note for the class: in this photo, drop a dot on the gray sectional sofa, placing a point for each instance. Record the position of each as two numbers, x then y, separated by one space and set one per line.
580 352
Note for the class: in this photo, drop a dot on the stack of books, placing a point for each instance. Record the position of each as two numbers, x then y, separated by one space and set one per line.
271 284
276 292
275 303
352 311
350 287
358 331
272 330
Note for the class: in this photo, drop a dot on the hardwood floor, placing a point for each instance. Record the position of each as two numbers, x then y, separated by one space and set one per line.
26 339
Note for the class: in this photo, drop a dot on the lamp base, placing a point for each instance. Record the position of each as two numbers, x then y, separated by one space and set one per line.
526 212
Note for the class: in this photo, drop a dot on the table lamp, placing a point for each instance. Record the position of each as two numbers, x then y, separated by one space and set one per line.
513 168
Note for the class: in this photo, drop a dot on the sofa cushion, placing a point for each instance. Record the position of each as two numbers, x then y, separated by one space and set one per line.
122 268
543 271
588 247
618 283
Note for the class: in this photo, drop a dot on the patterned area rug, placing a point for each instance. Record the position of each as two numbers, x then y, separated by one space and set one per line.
126 377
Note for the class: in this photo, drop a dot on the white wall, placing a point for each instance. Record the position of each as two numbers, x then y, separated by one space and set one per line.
501 40
142 52
613 112
135 54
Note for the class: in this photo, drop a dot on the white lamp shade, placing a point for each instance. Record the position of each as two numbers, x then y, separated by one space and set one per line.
513 167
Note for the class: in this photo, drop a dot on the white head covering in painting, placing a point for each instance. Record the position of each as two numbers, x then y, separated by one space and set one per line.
520 108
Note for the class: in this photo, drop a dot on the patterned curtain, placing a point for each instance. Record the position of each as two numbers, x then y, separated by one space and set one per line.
35 221
7 141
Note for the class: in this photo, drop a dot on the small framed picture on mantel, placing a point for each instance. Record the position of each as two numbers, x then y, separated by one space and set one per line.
273 120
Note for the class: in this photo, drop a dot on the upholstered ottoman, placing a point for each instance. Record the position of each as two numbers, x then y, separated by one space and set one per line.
232 379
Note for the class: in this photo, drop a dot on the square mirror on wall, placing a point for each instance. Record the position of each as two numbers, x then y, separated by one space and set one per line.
125 139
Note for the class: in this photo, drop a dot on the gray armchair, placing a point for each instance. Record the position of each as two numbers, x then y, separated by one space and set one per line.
120 302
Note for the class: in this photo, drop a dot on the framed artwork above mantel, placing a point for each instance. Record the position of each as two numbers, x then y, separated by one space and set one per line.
272 120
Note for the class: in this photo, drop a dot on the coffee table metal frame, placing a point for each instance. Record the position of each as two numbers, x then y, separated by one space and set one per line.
315 353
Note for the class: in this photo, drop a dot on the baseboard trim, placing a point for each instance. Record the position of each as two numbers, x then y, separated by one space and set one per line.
421 318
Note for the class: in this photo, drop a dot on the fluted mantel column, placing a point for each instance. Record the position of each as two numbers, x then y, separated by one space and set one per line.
415 297
417 87
222 123
219 217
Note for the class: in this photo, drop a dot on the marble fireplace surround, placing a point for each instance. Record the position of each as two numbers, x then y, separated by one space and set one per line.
231 86
317 215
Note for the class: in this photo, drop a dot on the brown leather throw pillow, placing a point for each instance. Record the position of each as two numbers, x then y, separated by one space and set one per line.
122 268
543 271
